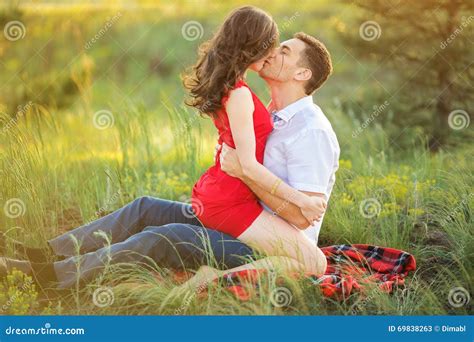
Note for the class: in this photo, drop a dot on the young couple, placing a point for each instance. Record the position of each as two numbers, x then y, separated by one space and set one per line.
267 191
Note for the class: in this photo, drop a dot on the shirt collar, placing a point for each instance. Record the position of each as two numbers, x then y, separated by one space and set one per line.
289 111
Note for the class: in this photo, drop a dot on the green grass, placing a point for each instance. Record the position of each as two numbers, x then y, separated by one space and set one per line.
59 169
65 172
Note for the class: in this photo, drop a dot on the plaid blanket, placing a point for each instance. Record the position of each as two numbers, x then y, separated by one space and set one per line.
350 267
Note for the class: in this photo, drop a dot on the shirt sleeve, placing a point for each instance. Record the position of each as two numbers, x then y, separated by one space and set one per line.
310 161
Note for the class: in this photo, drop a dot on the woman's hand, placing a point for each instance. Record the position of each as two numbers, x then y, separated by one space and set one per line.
314 208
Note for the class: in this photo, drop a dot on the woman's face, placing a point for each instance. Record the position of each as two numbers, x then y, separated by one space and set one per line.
258 65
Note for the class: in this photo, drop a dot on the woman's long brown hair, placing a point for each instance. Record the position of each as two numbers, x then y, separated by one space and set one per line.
247 35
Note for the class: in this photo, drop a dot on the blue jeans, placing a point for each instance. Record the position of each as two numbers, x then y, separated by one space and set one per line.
146 230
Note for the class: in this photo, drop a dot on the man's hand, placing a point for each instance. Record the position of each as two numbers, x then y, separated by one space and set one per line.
315 208
230 162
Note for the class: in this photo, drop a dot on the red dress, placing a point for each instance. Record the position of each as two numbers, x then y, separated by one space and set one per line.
222 202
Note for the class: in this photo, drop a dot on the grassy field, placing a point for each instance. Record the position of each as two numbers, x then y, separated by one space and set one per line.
102 124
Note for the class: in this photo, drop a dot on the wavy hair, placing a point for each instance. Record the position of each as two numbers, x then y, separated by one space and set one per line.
246 36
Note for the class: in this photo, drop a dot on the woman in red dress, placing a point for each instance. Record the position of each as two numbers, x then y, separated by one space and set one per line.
217 88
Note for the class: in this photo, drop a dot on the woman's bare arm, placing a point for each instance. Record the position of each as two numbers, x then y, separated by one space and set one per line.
240 110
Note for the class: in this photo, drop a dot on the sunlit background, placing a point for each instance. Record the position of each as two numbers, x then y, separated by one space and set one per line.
92 116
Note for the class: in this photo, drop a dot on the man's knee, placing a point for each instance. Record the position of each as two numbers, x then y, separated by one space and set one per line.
145 201
157 240
158 230
173 232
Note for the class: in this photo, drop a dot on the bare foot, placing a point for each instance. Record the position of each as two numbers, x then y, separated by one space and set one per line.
200 280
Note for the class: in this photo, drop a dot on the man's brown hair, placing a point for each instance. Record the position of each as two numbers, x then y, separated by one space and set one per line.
316 58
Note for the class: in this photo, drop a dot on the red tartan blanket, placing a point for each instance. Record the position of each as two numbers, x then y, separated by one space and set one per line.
350 267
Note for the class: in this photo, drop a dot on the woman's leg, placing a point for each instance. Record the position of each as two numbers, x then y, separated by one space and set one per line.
207 274
286 246
273 236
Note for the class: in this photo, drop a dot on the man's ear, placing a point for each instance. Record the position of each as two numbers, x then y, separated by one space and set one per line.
303 74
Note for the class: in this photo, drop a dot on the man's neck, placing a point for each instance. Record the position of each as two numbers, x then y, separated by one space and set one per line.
284 94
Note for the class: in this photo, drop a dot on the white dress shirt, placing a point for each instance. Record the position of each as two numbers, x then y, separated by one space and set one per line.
303 151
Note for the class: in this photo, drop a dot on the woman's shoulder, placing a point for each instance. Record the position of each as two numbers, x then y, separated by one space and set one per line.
239 94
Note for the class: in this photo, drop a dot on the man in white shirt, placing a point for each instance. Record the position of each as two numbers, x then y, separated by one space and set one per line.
302 149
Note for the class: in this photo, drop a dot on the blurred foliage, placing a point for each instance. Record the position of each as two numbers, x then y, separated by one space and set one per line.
67 170
423 49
